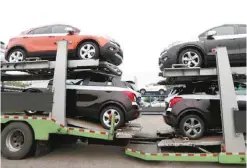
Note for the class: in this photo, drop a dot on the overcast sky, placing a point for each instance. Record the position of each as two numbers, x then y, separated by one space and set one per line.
142 27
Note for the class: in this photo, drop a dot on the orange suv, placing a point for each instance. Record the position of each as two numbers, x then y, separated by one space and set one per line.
41 42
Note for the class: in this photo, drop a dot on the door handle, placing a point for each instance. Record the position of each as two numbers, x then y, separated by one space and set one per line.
51 36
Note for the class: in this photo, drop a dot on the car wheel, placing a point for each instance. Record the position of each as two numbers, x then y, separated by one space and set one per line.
88 50
143 91
191 58
17 55
17 140
106 116
161 92
192 126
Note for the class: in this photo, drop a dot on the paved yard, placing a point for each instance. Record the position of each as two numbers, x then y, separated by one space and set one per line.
96 156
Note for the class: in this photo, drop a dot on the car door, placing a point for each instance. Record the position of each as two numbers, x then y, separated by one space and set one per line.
241 38
225 36
92 94
59 33
152 87
38 42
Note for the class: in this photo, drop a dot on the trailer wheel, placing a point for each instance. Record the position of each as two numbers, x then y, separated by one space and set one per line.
17 141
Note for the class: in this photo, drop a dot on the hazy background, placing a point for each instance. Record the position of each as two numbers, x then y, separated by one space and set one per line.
142 27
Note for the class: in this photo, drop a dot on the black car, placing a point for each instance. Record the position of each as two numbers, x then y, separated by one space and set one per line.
97 95
202 53
194 114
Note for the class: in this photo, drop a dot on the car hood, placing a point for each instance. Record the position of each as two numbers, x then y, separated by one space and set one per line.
97 35
179 43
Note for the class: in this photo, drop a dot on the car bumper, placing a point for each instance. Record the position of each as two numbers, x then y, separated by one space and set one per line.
132 114
166 61
112 53
169 119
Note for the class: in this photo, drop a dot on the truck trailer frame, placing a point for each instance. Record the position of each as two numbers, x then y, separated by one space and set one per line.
151 148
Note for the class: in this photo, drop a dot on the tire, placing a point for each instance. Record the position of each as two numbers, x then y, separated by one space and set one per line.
161 92
193 53
186 121
110 110
83 50
143 91
8 133
17 52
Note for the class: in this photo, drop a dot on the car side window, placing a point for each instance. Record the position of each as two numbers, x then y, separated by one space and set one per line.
59 29
224 30
42 30
242 29
99 80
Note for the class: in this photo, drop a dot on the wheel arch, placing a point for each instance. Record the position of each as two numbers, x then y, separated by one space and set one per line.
113 103
193 111
13 48
32 90
195 47
4 125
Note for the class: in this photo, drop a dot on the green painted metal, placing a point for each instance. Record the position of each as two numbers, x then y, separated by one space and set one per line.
239 158
179 157
232 158
112 125
43 126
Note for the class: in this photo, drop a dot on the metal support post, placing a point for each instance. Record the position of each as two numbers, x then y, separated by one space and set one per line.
233 142
59 83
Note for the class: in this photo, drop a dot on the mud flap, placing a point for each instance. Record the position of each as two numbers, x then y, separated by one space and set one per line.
42 148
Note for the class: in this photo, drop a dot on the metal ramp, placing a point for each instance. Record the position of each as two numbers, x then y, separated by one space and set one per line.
126 132
186 72
205 141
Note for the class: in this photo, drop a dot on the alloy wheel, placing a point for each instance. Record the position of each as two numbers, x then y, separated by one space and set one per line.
191 59
87 51
192 127
107 117
16 56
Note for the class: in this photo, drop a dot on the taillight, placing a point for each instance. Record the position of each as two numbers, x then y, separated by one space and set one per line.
130 95
174 101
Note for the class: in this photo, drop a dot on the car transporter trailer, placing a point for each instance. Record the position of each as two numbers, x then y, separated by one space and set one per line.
21 134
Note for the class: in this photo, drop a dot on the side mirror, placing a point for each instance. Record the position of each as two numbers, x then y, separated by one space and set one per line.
69 30
211 33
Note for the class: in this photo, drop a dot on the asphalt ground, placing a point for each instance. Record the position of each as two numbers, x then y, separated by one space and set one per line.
98 156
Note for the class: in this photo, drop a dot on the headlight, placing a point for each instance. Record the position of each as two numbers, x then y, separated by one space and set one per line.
111 48
163 53
113 43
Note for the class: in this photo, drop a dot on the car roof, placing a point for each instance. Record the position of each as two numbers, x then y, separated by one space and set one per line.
31 29
233 25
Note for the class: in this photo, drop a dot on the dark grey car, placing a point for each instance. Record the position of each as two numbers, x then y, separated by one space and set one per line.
97 95
194 114
201 53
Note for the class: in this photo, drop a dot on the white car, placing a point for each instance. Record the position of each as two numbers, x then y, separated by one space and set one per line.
132 86
153 87
158 103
